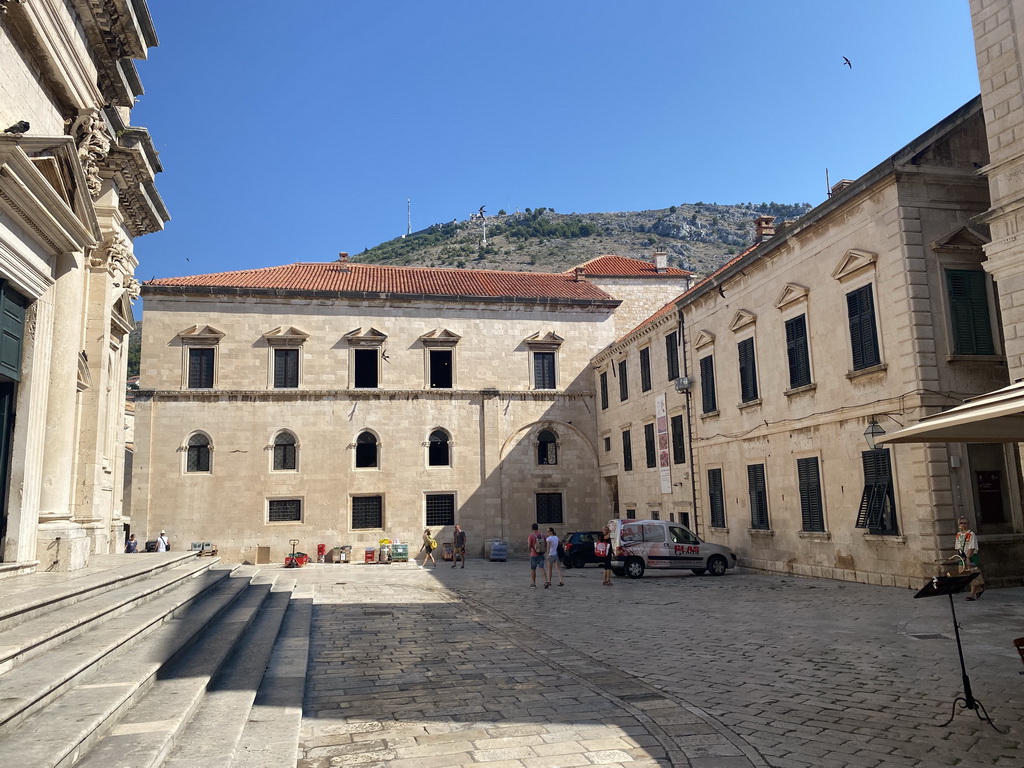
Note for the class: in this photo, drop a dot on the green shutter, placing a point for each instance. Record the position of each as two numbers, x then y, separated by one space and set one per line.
968 309
12 331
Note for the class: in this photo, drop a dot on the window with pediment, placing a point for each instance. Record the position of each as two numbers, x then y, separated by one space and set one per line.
200 350
544 358
285 354
440 347
366 347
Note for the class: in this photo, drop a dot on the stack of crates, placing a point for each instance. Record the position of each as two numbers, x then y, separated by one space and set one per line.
400 553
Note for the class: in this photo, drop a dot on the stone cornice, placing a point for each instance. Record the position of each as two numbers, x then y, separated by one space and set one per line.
118 31
33 200
132 165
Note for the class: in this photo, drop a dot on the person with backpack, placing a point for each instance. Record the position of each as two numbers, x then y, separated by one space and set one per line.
162 544
427 550
538 547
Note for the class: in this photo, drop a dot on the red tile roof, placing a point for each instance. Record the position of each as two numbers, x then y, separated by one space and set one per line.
336 277
623 266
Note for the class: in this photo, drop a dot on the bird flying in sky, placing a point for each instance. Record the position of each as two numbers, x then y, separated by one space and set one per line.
846 61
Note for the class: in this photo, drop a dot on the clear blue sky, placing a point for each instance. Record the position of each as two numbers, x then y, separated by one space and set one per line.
290 131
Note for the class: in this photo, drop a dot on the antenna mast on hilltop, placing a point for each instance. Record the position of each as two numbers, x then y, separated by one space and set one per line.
408 226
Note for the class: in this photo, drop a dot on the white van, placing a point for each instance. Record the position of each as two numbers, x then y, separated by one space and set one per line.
641 544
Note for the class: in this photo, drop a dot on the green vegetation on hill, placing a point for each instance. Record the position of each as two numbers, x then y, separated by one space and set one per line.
697 236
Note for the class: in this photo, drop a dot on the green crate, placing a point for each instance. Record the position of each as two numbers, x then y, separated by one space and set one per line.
399 553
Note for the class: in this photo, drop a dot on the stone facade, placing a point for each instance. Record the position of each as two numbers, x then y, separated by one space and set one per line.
75 190
498 474
791 371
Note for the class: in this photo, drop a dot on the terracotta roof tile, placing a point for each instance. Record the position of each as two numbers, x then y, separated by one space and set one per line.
623 266
375 278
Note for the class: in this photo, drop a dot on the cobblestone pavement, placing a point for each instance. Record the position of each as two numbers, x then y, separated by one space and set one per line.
458 667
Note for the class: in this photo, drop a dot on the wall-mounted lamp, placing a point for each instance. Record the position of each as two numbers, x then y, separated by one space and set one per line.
873 432
684 384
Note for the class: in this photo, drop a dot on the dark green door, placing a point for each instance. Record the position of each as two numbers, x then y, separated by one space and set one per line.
12 331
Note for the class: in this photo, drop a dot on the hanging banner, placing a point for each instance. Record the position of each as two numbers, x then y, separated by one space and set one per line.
661 421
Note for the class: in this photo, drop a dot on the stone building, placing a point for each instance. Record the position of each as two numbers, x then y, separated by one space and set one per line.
344 403
867 313
76 188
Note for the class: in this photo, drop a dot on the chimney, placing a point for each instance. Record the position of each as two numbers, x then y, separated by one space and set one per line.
343 261
839 186
579 274
765 228
661 261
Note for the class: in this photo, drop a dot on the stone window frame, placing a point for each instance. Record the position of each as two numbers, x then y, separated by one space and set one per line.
450 442
439 339
195 337
365 339
378 445
185 450
793 302
284 338
352 511
299 498
550 343
272 450
856 269
744 328
557 443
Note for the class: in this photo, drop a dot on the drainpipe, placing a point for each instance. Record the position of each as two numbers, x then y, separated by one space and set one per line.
689 423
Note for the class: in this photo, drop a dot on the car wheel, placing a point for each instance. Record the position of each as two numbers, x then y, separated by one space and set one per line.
717 565
566 562
619 571
578 561
634 568
699 571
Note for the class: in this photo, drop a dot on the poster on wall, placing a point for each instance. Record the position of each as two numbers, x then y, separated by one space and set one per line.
661 422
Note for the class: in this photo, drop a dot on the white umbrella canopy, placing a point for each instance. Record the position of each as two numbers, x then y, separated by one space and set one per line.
997 417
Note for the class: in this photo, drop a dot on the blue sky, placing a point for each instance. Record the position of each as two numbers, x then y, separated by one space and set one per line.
290 131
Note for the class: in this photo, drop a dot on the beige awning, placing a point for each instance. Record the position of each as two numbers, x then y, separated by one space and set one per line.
997 417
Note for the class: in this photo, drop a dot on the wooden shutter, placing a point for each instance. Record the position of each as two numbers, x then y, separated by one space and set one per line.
716 498
709 401
796 351
860 307
748 371
12 331
810 494
968 309
878 496
758 497
645 369
678 449
672 355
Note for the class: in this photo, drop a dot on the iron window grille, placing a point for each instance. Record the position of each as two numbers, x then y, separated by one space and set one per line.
547 447
200 368
549 509
440 509
198 455
367 512
544 370
284 451
284 511
286 368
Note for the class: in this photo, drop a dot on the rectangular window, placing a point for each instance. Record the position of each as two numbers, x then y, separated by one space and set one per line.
286 368
623 381
716 498
758 497
549 509
968 309
627 451
709 400
796 351
672 355
200 368
811 512
748 371
860 307
878 502
631 514
544 370
440 509
678 452
366 369
284 511
650 447
441 369
645 369
367 512
604 391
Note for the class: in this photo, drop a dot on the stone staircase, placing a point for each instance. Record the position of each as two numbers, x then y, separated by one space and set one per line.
150 660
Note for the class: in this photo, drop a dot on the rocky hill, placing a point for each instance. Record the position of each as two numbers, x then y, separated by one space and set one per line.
697 236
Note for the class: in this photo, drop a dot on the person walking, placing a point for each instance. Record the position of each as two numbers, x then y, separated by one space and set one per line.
162 544
538 547
552 564
459 546
606 561
427 550
967 547
131 546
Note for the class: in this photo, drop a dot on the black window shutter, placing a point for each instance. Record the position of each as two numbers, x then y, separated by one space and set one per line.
748 371
860 306
709 400
758 497
796 350
968 307
672 355
810 494
716 497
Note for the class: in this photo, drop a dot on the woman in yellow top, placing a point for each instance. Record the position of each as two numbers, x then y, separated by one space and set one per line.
427 550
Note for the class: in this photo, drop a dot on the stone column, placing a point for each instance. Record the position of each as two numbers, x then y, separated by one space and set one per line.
60 543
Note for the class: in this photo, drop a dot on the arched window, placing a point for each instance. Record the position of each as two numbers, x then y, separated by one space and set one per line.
366 450
439 449
284 451
198 458
547 447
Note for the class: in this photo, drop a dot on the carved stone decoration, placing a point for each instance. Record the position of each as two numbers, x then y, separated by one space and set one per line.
132 287
5 3
90 133
114 253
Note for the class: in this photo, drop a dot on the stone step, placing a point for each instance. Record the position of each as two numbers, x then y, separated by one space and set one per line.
146 733
49 629
35 594
211 736
34 684
270 738
60 733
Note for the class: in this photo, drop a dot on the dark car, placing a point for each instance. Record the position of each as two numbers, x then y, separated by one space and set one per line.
578 548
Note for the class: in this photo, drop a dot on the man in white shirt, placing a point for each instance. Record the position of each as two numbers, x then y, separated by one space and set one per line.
162 545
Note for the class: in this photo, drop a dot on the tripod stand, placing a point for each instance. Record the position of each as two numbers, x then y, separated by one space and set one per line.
953 585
